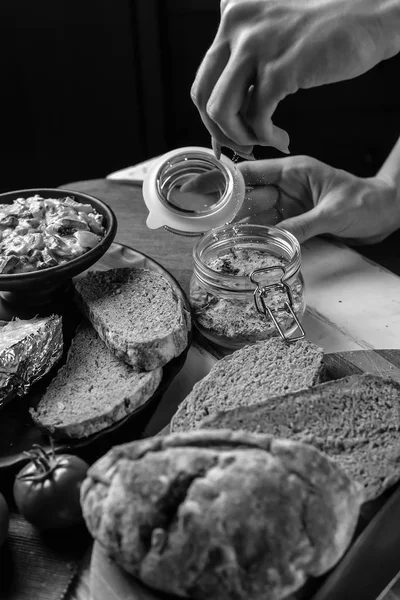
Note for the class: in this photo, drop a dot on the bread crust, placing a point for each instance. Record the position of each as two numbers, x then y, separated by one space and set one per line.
248 376
221 514
93 390
98 290
354 420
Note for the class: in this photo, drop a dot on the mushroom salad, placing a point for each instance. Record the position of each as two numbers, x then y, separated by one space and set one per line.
37 233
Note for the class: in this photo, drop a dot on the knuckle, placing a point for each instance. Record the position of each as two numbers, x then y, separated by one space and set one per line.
198 97
237 13
304 230
276 78
232 12
224 5
194 95
302 162
215 113
248 43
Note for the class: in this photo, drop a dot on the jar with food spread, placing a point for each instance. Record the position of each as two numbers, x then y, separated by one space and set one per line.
247 283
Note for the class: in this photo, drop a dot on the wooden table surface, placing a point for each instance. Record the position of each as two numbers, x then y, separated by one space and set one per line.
333 275
173 251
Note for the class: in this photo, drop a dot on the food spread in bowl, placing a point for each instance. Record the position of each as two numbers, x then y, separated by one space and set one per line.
37 233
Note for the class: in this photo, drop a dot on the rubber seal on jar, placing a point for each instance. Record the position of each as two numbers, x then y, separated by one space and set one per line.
192 212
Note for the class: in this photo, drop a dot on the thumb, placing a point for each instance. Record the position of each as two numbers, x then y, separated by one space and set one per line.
306 225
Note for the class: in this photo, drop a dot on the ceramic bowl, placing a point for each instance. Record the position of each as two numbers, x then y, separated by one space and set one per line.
41 286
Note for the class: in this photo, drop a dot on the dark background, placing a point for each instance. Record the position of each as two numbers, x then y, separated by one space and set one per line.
88 87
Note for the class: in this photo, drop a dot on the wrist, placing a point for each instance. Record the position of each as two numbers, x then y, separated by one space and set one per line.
390 171
388 191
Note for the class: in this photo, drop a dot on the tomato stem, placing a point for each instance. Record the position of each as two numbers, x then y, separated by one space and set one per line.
37 463
53 451
41 452
42 462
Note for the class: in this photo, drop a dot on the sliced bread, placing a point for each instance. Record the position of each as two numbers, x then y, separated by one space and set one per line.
93 390
137 314
250 375
354 420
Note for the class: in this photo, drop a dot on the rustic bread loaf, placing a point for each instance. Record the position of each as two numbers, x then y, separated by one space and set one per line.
137 314
93 390
251 375
218 515
354 420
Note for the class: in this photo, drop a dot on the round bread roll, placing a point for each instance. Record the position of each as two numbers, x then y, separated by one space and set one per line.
220 514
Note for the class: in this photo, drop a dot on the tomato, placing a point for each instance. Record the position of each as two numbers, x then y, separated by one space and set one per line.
46 490
4 519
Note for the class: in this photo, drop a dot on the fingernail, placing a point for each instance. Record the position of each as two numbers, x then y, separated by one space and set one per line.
245 156
216 147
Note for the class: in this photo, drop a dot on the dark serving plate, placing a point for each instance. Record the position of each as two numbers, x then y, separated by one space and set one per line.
18 432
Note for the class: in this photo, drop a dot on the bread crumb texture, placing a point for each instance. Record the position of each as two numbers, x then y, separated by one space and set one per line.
248 376
137 314
221 514
354 420
93 390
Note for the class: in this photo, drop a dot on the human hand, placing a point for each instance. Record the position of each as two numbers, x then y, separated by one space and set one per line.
316 199
267 49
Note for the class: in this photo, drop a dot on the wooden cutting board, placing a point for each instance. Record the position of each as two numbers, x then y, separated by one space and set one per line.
108 582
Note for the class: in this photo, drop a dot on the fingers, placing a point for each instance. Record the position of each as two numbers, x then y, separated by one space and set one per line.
208 74
255 172
216 148
207 77
267 217
258 201
263 172
237 111
270 89
206 183
229 98
307 225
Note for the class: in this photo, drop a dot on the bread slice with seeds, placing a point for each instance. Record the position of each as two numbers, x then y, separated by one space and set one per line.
137 314
93 390
250 375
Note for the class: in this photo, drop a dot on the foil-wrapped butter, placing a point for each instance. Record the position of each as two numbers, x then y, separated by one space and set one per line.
28 350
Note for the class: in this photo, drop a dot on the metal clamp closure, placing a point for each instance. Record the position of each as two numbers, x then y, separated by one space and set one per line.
261 292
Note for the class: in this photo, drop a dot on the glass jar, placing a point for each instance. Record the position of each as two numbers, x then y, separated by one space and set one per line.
247 285
189 212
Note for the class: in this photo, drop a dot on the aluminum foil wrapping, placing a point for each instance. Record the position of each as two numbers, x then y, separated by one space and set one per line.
27 360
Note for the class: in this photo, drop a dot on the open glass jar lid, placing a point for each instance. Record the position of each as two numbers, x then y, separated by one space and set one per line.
247 283
188 191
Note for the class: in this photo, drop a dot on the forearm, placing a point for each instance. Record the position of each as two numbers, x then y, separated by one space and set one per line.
390 170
